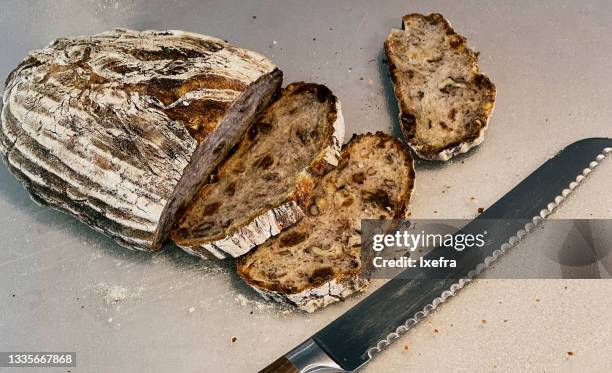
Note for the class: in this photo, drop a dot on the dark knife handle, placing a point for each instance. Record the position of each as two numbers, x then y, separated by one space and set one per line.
281 365
308 357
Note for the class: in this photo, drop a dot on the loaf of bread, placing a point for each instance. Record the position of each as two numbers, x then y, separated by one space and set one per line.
264 185
318 261
120 129
444 101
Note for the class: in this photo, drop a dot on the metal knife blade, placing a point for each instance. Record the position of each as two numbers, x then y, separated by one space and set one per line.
351 340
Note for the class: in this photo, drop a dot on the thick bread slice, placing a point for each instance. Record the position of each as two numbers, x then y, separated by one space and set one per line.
318 261
119 129
444 101
264 185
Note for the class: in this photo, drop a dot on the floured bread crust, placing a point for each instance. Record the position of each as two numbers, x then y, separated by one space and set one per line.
445 102
264 185
103 126
318 261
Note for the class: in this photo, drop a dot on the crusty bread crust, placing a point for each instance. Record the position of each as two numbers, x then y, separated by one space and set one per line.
262 225
104 127
412 47
323 290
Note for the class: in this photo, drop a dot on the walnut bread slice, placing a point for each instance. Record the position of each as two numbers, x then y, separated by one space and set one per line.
119 129
444 101
265 184
318 261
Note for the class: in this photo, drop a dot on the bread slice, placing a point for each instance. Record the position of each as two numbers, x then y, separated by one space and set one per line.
444 101
318 261
120 128
264 185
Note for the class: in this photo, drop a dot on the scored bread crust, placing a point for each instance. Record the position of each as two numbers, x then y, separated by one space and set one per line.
311 299
104 127
341 285
410 115
263 225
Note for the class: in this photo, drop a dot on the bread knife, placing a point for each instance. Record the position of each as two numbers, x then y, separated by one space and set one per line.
350 341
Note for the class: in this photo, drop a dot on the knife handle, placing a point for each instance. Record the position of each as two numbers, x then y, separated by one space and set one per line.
305 358
281 365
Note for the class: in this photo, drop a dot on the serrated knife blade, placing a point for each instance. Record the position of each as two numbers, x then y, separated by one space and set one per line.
351 340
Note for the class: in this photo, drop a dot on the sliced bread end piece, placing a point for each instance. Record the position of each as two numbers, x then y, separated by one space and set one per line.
263 186
444 101
318 261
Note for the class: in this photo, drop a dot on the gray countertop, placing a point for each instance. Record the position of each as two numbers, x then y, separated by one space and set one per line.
64 287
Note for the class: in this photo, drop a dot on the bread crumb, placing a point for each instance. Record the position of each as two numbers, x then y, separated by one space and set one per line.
234 339
115 294
570 353
406 347
436 330
480 210
537 299
483 321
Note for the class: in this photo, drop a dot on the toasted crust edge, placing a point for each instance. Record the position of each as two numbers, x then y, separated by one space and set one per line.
311 299
406 118
273 221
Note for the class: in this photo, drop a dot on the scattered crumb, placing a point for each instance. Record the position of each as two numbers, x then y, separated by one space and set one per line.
436 331
505 320
314 39
565 287
254 17
480 210
435 211
115 294
258 305
537 299
82 307
570 353
234 339
330 29
483 321
406 347
191 309
472 198
13 295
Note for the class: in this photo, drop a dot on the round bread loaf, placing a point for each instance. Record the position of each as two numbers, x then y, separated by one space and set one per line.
120 129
